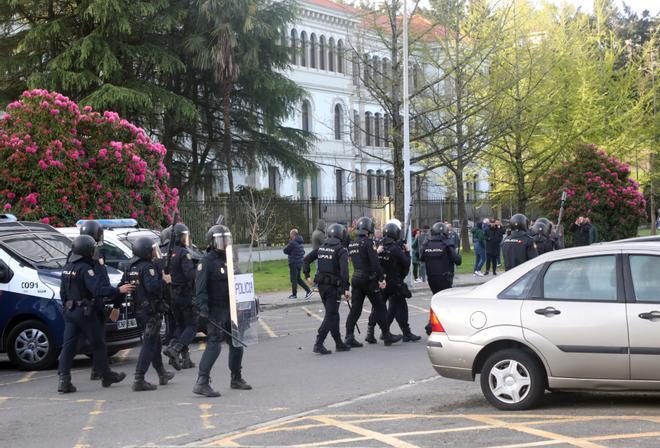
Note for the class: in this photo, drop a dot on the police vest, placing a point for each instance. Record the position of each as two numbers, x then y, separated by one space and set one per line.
73 283
328 264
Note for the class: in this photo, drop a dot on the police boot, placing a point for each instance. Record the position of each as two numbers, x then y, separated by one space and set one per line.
389 338
64 386
371 339
140 384
237 382
186 362
351 341
341 347
112 378
172 351
409 336
320 349
95 376
164 376
202 387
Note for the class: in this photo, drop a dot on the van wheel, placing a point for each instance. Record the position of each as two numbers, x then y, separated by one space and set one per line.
30 346
512 380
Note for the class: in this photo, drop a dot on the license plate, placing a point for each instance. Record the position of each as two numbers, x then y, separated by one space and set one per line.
124 324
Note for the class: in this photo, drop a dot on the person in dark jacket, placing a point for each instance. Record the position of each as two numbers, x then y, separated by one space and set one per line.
479 242
518 247
494 237
296 252
582 232
318 235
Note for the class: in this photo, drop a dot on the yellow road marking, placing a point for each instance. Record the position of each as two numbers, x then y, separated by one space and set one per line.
314 315
624 436
27 377
384 438
206 416
82 442
177 436
269 331
202 347
529 444
533 431
124 354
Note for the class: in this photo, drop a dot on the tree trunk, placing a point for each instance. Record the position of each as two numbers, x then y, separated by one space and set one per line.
397 122
462 212
226 140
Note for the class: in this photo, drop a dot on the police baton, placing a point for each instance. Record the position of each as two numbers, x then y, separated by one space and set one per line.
208 319
350 309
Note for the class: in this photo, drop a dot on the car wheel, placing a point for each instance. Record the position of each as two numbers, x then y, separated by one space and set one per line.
30 346
512 380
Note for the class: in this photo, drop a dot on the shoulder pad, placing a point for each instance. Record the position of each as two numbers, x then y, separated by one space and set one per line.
188 256
152 272
90 272
200 267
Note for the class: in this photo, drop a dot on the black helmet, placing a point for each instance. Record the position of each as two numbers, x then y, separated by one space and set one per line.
518 222
336 231
93 229
539 228
82 248
392 230
365 226
182 234
165 236
439 228
143 248
548 223
218 237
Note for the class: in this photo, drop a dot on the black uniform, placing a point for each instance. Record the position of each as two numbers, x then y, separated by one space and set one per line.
440 256
149 304
333 281
517 248
80 292
396 264
182 270
366 276
212 289
543 244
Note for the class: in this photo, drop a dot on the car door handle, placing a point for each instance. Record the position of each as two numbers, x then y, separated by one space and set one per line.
549 311
650 316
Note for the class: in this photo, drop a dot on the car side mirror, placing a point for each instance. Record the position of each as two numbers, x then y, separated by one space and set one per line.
6 274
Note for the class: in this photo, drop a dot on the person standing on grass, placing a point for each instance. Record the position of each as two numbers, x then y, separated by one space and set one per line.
479 240
296 253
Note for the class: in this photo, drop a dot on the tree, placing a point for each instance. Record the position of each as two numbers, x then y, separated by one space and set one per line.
60 164
260 213
598 186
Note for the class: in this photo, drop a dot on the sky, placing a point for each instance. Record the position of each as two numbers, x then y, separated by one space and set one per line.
637 5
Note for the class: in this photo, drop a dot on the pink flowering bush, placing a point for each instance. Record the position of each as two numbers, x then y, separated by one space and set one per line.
60 164
599 187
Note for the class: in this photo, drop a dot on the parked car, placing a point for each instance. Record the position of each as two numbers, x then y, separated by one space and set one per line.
581 318
32 256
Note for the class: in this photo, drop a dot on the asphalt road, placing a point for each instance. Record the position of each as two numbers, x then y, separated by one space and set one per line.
373 396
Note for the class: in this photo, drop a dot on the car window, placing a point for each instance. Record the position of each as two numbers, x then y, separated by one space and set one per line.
523 286
645 270
45 250
112 254
588 278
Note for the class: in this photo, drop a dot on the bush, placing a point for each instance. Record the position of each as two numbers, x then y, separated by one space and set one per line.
598 187
60 164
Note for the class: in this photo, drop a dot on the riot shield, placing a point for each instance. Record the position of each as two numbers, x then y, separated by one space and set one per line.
243 307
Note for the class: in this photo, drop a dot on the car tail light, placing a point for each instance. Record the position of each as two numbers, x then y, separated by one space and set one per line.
436 326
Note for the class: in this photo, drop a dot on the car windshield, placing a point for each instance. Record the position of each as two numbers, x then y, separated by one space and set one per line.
44 250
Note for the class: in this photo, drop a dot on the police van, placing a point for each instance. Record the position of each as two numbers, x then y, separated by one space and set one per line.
32 256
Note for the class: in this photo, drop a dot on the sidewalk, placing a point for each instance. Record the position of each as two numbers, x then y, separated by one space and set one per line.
278 299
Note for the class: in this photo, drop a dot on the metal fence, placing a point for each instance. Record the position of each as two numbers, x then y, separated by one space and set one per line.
305 214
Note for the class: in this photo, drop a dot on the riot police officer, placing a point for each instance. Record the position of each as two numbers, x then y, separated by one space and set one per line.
212 290
395 261
368 279
79 291
333 281
107 291
183 274
150 283
540 233
518 247
440 256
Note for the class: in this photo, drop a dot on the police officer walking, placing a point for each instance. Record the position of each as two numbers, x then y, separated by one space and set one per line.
440 256
518 247
368 280
395 260
212 290
150 283
79 291
332 278
182 271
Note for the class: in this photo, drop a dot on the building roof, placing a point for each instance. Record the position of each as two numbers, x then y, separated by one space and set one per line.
330 4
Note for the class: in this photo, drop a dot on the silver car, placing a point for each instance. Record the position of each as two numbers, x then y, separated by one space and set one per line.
583 318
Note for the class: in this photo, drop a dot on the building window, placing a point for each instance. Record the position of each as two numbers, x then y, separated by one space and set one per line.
379 184
294 46
387 74
356 128
389 184
338 121
340 56
367 128
303 49
315 186
386 131
322 52
273 179
312 50
306 115
355 66
376 71
377 130
370 185
367 76
339 182
358 185
331 54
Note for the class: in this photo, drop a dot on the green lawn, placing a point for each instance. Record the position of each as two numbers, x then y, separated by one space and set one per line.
271 276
